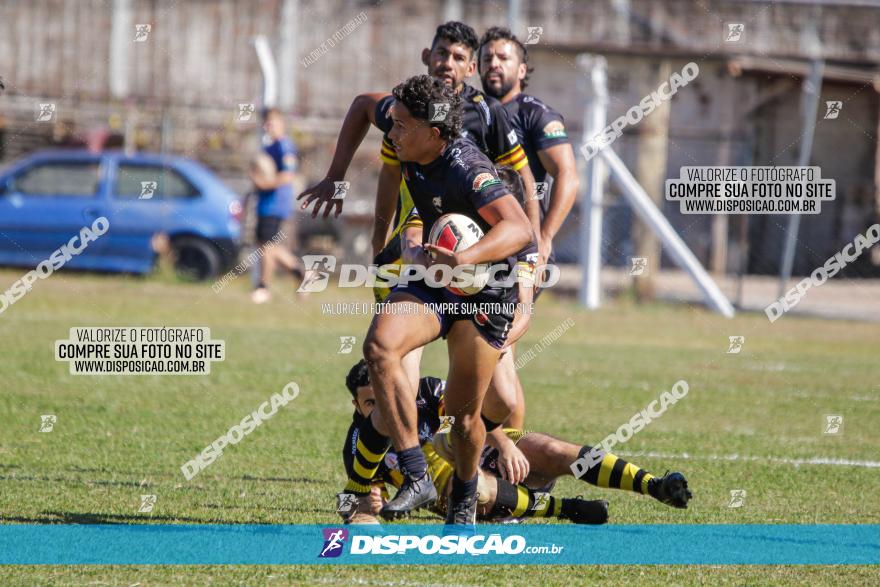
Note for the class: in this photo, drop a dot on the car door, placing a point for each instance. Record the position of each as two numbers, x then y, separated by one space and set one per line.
45 203
143 196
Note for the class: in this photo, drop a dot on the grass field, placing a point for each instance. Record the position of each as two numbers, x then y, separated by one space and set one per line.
751 421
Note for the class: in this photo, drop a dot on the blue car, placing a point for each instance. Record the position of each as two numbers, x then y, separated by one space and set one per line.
50 196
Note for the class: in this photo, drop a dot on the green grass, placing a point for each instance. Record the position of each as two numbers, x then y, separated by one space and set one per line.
118 437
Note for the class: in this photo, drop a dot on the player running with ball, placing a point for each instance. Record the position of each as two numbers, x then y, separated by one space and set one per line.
444 174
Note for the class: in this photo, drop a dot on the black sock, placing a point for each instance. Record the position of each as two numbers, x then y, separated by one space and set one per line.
462 490
489 424
412 462
505 500
370 449
519 501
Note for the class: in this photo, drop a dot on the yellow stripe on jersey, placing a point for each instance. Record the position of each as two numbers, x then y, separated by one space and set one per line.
515 158
387 154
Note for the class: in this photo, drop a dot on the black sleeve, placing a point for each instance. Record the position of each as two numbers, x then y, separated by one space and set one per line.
547 129
384 123
481 185
383 114
503 142
348 449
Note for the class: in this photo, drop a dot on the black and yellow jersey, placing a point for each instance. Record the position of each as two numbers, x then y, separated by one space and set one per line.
429 407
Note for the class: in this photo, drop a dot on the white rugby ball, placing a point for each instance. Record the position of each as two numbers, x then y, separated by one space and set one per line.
457 232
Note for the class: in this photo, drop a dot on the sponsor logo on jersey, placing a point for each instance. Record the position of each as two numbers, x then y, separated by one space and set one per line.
555 130
484 180
511 137
478 100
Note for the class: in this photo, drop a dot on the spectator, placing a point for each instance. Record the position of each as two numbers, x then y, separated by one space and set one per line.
274 205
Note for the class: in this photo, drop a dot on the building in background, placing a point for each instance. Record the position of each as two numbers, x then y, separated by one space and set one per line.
172 76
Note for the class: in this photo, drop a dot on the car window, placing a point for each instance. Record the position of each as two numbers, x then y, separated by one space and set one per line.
59 178
151 182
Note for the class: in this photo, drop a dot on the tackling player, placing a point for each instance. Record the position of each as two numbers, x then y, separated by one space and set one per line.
498 498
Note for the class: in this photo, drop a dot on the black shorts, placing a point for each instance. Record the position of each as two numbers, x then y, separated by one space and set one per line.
267 228
491 310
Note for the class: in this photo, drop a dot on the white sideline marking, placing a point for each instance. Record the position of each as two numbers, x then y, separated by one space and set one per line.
736 457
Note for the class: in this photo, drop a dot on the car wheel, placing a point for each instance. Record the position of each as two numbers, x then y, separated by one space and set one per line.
196 259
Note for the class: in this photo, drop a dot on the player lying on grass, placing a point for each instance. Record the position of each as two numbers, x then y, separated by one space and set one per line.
550 459
497 499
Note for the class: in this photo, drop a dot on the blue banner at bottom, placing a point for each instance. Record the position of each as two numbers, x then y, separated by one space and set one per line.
426 544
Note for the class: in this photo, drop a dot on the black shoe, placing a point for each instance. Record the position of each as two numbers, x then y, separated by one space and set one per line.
582 511
412 495
672 489
462 515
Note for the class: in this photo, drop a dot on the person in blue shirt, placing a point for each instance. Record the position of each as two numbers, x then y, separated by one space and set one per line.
274 205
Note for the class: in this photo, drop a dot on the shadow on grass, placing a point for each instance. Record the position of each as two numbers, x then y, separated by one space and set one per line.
88 518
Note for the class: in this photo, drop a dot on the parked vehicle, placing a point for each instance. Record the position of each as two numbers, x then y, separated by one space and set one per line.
49 196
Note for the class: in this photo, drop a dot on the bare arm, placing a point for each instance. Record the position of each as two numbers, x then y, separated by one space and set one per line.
387 195
560 163
361 114
532 205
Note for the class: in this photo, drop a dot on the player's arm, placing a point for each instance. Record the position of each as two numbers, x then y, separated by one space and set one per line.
513 464
532 204
411 250
559 162
361 114
387 195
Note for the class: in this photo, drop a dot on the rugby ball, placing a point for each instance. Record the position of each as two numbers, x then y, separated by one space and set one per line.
262 170
457 232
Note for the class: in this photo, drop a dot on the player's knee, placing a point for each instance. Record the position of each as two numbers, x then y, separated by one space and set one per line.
377 351
468 424
556 451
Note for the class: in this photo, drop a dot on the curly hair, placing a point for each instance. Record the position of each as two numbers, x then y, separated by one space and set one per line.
420 92
511 181
497 33
457 32
358 376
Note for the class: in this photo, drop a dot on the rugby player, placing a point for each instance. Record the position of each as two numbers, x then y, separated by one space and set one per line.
497 497
444 173
451 58
504 72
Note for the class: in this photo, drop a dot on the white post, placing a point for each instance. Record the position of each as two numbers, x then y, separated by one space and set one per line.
594 86
812 88
269 69
287 54
121 39
650 215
